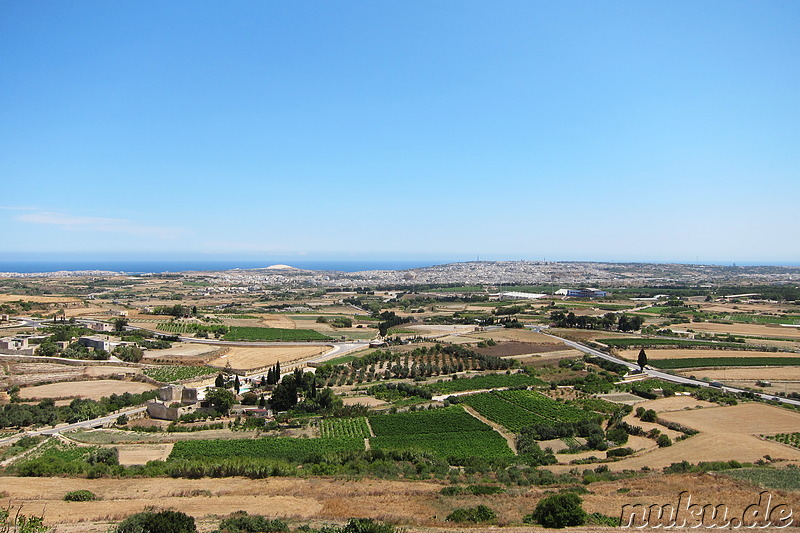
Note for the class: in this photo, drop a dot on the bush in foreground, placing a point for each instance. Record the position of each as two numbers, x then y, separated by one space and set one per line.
480 513
158 522
558 511
241 522
80 496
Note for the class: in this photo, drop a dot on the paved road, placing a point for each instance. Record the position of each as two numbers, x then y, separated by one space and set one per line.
77 425
653 372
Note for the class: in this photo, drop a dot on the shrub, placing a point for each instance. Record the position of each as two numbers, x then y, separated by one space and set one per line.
558 511
80 496
663 441
648 416
619 452
480 513
241 522
158 522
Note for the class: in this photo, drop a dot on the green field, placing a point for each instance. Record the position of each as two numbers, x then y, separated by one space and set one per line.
623 342
286 448
168 374
448 420
489 381
518 409
237 333
698 362
770 478
454 446
345 427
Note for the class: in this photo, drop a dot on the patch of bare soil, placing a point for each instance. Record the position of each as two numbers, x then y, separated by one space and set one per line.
503 349
84 389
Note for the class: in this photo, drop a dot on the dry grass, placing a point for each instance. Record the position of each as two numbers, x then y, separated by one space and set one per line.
37 299
369 401
443 329
84 389
244 358
727 433
141 453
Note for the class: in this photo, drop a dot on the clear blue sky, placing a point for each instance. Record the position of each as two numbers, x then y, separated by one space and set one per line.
614 130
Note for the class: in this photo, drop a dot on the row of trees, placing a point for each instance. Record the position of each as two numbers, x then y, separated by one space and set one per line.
609 321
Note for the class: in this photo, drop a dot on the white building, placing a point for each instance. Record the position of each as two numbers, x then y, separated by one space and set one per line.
582 293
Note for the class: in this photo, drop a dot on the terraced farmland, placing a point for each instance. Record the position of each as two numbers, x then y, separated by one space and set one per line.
447 420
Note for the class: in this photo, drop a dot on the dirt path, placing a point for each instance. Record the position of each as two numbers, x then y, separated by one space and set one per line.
371 433
510 439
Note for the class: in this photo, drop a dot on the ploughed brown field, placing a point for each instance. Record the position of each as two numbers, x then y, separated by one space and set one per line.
509 348
756 330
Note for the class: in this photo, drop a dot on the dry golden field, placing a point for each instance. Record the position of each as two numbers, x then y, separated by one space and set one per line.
37 299
416 505
84 389
244 358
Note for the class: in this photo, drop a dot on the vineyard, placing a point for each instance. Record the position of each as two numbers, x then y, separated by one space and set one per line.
448 420
455 447
677 343
345 427
699 362
189 327
792 439
489 381
286 448
518 409
236 333
450 433
168 374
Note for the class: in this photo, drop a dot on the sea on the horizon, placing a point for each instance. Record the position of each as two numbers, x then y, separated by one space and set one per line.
141 267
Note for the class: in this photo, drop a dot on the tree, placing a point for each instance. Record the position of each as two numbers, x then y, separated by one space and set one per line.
220 381
663 441
237 385
284 397
220 399
119 324
558 511
642 359
129 353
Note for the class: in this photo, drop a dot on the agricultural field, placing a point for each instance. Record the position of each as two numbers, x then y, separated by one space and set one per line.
344 427
450 433
448 420
453 446
751 330
726 433
701 362
286 448
488 381
517 409
84 389
170 374
792 439
657 354
246 358
273 334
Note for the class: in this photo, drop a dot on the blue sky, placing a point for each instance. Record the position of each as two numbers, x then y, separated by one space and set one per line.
666 131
